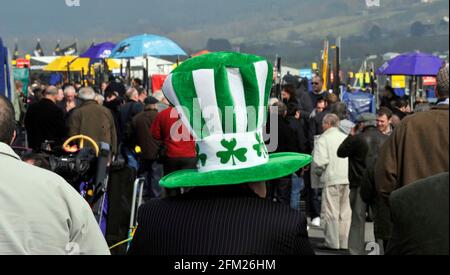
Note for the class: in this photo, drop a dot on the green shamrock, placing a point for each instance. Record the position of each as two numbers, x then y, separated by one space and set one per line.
260 147
231 153
201 157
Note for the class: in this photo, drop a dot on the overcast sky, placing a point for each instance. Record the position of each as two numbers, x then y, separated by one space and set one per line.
37 16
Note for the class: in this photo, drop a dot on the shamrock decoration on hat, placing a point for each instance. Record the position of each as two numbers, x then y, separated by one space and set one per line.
222 99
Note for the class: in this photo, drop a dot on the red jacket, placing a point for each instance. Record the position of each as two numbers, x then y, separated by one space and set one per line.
181 146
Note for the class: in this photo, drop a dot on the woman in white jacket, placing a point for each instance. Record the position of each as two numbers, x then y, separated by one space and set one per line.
333 172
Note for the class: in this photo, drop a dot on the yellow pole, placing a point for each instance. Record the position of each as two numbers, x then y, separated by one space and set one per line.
325 65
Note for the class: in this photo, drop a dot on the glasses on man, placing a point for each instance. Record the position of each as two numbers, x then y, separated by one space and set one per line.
315 83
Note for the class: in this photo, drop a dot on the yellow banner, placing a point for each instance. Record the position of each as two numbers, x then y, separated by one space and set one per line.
398 81
325 66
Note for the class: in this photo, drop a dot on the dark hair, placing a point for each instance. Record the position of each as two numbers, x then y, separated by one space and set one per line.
38 91
137 81
7 120
384 111
319 77
292 109
389 89
321 99
290 89
400 103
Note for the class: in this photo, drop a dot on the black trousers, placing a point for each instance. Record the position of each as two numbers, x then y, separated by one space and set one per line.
280 190
313 204
152 171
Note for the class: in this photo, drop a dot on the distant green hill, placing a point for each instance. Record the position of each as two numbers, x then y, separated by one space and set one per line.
292 28
311 19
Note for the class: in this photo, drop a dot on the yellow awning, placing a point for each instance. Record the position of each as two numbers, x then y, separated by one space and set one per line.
75 64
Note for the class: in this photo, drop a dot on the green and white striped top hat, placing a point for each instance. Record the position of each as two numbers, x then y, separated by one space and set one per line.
222 99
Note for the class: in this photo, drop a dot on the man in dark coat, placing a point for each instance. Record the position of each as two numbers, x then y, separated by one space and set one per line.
93 120
361 147
298 123
416 232
141 125
127 112
44 121
113 103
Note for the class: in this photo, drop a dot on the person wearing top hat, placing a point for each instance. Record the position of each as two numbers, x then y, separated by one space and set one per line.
224 211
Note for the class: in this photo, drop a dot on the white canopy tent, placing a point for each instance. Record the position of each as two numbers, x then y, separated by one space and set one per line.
155 66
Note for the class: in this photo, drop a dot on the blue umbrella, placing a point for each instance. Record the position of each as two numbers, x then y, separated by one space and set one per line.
147 45
412 64
99 51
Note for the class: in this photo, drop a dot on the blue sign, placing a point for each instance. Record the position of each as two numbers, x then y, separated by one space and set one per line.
5 84
306 73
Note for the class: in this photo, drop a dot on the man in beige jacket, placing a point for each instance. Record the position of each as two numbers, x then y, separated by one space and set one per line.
40 213
333 171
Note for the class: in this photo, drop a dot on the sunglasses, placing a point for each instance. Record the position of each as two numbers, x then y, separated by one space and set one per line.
315 83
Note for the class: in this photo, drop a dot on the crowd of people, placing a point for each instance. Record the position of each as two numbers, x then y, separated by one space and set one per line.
360 170
352 163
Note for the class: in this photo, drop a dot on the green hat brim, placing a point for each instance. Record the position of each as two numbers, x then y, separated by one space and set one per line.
279 165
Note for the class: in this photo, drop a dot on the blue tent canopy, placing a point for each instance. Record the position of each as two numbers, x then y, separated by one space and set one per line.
5 74
359 102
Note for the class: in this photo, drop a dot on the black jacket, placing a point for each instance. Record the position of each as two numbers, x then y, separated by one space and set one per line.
229 220
288 139
298 125
420 217
127 112
361 150
116 87
114 107
44 121
305 102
